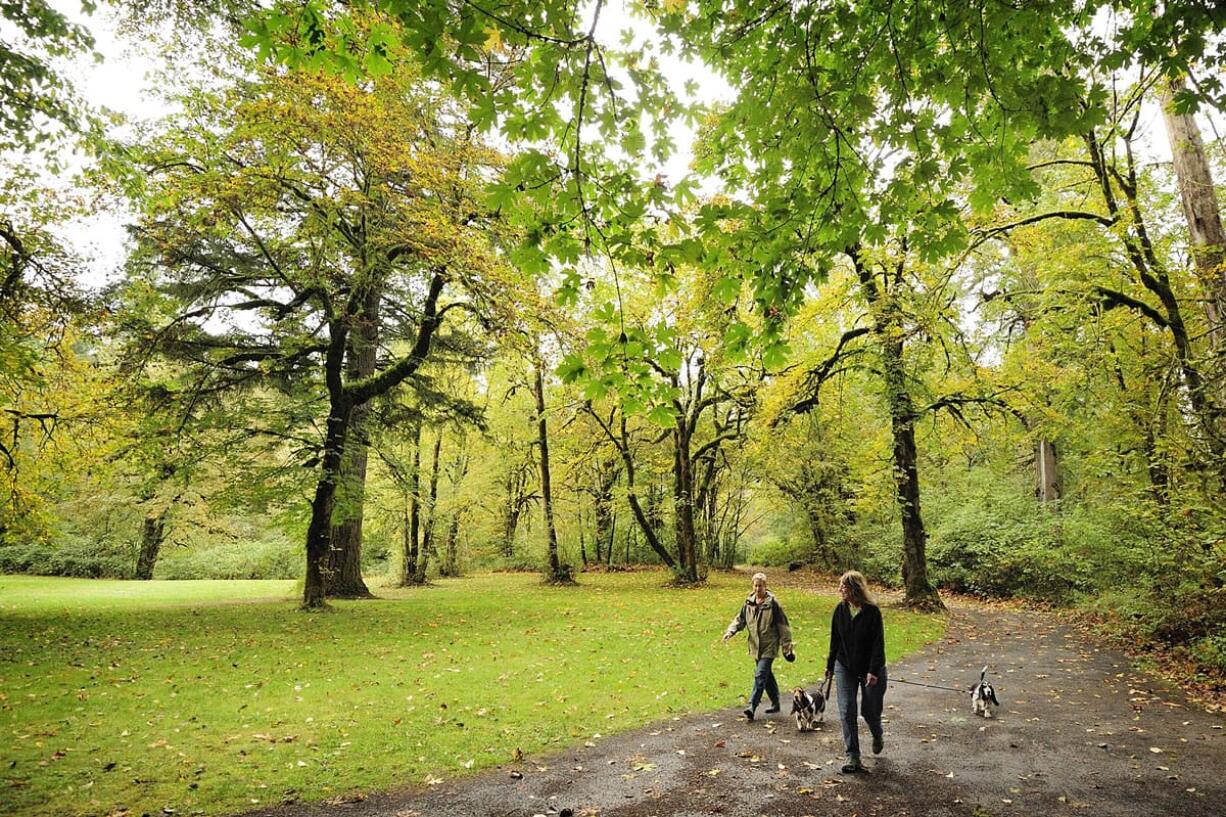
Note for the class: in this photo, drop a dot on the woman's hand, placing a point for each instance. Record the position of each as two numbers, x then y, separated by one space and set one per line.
870 679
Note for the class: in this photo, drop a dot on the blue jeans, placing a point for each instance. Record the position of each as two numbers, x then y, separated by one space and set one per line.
872 700
764 681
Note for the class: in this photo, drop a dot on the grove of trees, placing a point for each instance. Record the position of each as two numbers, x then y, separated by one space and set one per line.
419 288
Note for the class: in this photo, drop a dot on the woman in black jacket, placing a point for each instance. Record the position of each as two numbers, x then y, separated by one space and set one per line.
857 662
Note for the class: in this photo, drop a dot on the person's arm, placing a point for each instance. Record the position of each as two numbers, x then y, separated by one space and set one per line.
835 640
877 660
738 624
785 629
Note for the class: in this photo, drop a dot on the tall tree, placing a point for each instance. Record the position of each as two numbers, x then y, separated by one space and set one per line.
281 222
1204 219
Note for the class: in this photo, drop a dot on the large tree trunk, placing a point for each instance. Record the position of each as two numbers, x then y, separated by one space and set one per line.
919 591
320 528
341 402
427 539
1200 208
152 535
557 573
888 330
345 556
412 551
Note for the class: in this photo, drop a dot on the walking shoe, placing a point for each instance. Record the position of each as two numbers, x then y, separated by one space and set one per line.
878 744
773 709
748 714
852 767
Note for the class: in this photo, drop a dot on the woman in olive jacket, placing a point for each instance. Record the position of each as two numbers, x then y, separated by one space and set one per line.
767 626
857 662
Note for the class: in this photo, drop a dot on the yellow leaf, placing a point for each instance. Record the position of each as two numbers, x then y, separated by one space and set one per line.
493 39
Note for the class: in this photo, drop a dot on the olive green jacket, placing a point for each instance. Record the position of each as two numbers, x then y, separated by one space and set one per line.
767 627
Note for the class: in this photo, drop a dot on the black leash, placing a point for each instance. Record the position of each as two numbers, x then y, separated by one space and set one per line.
930 686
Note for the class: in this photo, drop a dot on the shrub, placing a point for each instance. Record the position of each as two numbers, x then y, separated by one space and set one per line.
778 552
69 556
274 558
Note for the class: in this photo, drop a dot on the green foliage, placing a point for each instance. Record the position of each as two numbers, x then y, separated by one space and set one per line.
255 701
1187 619
72 555
273 558
779 552
33 95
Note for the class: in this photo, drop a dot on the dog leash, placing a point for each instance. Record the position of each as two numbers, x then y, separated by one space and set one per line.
930 686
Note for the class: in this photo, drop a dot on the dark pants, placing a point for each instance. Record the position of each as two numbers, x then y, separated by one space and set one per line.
872 700
764 681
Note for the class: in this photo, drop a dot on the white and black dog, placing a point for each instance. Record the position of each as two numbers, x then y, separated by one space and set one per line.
808 708
983 697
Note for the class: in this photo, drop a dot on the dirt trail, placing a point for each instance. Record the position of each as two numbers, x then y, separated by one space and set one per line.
1079 733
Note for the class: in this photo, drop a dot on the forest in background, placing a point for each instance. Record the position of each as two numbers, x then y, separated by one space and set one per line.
406 294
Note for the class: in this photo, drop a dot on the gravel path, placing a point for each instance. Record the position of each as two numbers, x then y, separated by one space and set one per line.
1079 732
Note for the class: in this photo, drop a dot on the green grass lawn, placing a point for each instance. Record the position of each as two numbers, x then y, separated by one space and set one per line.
213 697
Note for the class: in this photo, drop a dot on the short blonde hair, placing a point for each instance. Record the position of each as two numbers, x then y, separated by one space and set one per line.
757 576
857 587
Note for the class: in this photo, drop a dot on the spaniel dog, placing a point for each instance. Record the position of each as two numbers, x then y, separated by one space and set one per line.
808 709
983 697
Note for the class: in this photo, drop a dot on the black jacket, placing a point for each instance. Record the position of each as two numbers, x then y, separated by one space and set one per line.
858 643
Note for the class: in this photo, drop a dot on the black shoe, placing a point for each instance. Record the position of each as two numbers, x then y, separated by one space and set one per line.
852 768
774 708
878 744
748 714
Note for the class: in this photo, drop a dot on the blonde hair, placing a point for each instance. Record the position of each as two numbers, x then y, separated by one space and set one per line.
757 576
857 588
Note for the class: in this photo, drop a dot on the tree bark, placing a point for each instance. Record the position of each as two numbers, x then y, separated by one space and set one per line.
153 533
345 555
557 573
1200 208
1047 462
319 530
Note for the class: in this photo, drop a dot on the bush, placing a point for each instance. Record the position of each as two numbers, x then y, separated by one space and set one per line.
1188 617
779 552
274 558
69 556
